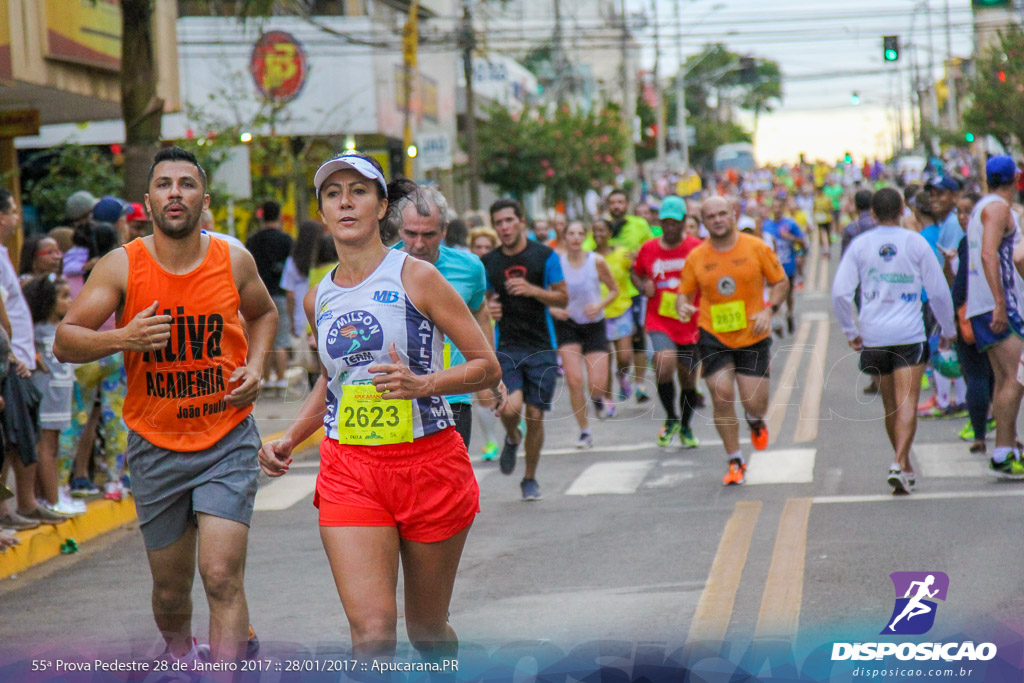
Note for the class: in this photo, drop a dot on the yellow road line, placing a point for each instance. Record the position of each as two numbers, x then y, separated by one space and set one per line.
810 406
780 400
714 610
783 591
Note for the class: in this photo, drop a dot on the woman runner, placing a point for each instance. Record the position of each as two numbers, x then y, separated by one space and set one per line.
395 479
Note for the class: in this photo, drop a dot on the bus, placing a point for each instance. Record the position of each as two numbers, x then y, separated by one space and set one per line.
738 156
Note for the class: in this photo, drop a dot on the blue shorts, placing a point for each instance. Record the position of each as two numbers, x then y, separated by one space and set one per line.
985 338
535 373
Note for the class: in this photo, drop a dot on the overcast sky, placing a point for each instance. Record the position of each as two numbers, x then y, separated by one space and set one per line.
817 45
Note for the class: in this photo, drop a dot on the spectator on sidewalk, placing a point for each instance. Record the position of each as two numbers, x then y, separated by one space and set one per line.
270 246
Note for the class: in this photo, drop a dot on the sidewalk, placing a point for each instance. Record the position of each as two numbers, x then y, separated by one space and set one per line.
273 415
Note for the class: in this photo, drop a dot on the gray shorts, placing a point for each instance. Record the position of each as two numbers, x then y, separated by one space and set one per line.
283 338
170 487
55 406
685 353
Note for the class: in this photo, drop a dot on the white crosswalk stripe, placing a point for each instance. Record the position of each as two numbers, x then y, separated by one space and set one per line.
282 493
616 477
948 460
785 466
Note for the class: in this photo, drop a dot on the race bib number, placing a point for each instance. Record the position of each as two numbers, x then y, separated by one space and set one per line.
365 418
729 317
667 307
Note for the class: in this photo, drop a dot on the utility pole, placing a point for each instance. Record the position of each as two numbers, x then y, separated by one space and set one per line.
467 41
951 103
931 70
657 88
684 143
628 96
410 44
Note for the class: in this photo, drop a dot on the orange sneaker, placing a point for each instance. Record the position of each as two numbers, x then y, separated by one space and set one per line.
759 436
737 468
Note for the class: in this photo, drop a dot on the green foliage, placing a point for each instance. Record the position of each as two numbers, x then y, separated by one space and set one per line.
561 150
71 168
716 71
997 105
647 148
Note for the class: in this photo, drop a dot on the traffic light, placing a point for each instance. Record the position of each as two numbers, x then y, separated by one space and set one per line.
1001 75
848 159
969 137
854 98
891 48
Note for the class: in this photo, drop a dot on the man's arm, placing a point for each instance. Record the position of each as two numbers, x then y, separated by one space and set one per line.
843 288
260 314
556 295
78 340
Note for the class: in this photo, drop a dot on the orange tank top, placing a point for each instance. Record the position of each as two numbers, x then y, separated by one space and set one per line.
175 396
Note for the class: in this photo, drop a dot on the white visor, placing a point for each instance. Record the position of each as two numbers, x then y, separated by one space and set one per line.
344 161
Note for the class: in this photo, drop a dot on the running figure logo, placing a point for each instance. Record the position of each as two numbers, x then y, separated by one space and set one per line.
914 612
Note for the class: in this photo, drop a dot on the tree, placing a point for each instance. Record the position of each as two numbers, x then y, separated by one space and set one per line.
996 91
715 81
561 150
64 170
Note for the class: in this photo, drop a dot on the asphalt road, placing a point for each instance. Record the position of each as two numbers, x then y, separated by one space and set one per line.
637 556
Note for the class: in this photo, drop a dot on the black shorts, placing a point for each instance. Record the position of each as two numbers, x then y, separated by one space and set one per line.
463 414
753 360
883 360
590 336
535 373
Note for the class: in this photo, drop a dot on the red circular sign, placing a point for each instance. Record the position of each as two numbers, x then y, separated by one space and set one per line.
278 65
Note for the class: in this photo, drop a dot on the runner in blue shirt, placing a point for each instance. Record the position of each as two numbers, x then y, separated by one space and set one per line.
420 218
787 236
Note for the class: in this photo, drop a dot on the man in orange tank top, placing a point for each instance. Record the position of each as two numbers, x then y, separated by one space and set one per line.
192 379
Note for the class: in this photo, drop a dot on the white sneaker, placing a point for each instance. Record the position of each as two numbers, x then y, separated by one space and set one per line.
68 505
899 481
112 490
586 442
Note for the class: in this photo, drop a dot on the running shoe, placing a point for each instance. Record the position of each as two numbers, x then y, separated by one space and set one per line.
899 482
912 480
777 329
585 442
758 435
507 460
978 447
926 384
112 490
609 409
599 409
687 438
252 648
872 387
625 389
967 433
927 407
955 411
44 515
82 487
701 402
531 489
490 451
1011 468
789 321
641 396
737 468
668 430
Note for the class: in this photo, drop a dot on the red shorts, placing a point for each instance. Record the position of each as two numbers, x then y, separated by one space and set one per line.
426 488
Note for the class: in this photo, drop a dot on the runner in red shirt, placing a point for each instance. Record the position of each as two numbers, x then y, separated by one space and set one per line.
656 273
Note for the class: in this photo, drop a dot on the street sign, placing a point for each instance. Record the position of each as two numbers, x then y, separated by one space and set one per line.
18 122
233 177
691 134
433 151
278 66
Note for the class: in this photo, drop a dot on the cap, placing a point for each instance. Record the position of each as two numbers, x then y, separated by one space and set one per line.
79 204
109 209
672 207
352 161
944 183
1000 170
137 213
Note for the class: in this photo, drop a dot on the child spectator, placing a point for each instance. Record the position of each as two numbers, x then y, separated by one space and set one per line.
48 300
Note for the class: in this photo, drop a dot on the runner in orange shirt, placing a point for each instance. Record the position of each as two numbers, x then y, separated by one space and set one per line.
729 272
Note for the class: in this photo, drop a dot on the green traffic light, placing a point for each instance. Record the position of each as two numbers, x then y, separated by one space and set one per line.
969 137
890 55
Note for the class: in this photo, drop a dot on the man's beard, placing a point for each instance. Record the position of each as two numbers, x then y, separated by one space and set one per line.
191 222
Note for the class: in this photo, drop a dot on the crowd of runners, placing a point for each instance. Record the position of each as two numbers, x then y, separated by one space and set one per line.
426 328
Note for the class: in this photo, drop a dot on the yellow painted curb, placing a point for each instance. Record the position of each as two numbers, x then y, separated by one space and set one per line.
43 543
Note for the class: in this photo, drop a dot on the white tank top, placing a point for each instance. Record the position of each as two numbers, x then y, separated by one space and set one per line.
584 287
979 295
356 325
